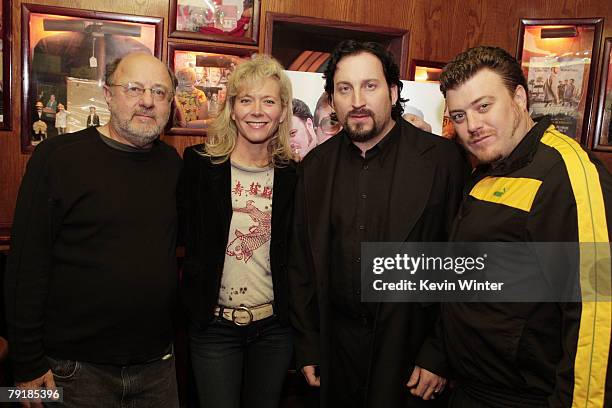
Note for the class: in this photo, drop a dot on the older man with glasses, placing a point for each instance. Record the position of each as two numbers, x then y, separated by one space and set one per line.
91 276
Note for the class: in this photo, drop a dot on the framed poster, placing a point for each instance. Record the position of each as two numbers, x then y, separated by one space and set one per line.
201 72
603 121
62 49
5 63
559 59
233 21
311 104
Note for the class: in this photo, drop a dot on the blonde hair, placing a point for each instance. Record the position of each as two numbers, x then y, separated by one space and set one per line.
186 75
222 134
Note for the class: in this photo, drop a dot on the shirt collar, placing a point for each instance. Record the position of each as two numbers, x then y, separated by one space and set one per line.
112 143
522 153
381 146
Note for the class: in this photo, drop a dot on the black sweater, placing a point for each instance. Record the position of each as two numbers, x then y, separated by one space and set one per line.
91 275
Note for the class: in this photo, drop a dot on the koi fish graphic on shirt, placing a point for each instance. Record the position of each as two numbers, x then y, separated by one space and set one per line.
243 246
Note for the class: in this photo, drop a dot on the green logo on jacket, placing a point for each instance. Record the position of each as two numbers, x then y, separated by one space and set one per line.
500 193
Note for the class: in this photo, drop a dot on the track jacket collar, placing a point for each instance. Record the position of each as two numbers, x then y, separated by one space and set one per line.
522 153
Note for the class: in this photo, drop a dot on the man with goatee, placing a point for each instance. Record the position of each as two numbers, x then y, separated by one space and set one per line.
379 179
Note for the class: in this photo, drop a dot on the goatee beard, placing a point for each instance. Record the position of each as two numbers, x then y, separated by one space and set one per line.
137 137
357 133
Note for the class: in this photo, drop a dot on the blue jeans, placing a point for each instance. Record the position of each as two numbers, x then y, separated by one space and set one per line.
240 366
150 385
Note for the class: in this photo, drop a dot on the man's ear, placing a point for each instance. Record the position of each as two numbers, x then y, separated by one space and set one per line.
309 124
108 95
312 135
394 94
520 96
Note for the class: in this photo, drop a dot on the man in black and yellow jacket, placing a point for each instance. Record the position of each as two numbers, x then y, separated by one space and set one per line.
533 184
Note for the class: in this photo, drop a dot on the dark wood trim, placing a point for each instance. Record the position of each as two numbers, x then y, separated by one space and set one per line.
400 52
601 97
7 75
5 235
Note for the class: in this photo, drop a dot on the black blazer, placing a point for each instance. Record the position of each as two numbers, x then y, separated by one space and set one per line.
205 213
95 122
426 190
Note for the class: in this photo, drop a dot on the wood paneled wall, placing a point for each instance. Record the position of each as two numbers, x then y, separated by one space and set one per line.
439 29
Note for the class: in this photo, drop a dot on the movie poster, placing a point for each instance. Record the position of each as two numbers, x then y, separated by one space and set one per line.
555 87
314 121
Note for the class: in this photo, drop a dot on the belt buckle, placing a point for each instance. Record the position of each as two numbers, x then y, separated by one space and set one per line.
242 309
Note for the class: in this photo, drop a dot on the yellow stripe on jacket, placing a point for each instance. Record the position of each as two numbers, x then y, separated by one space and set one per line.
596 318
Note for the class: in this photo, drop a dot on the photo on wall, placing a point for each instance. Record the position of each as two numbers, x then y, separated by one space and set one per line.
86 105
559 59
555 88
230 21
67 48
202 73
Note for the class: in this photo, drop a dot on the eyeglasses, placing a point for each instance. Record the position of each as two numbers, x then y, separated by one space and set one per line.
329 125
132 90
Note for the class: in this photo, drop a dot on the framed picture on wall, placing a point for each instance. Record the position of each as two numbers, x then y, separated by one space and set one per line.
559 59
233 21
5 63
202 72
603 122
65 52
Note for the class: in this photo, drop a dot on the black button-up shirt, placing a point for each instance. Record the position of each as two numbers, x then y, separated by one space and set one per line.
359 213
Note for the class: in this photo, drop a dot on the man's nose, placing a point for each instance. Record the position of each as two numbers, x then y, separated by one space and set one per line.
147 98
358 99
474 122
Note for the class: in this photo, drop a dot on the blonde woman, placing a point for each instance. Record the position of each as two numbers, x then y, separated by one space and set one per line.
238 190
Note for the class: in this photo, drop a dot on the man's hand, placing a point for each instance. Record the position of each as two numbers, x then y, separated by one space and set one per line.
425 384
311 378
44 381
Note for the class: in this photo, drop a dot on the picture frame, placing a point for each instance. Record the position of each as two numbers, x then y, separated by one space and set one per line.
64 55
559 59
602 138
5 63
305 43
229 21
425 71
202 72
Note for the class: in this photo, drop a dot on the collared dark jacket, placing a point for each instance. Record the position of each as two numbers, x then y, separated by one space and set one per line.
425 194
205 213
536 354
